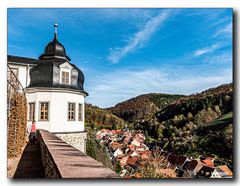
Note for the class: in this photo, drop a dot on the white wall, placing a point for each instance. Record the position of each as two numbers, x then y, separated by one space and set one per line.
23 74
58 110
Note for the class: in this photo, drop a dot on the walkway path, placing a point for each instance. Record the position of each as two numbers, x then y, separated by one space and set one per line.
30 164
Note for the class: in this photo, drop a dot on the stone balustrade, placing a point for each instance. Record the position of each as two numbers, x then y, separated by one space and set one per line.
61 160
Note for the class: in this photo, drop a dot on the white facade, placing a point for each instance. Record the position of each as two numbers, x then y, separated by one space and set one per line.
22 73
58 101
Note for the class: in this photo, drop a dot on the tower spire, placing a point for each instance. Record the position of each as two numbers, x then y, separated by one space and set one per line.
55 30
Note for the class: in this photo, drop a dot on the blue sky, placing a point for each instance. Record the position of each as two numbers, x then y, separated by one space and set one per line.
127 52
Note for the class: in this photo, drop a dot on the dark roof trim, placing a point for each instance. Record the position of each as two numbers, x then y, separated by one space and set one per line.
22 60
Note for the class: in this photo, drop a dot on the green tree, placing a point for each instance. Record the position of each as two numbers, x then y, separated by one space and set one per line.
114 126
118 167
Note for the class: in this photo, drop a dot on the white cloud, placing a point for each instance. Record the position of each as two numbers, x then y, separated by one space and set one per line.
122 13
202 51
227 30
221 59
112 88
138 39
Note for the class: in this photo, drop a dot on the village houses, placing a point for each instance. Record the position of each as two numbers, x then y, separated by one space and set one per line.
130 151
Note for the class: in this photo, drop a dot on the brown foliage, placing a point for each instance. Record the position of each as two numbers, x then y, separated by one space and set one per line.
17 120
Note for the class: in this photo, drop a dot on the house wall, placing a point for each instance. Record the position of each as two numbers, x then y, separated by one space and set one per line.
58 109
23 73
215 174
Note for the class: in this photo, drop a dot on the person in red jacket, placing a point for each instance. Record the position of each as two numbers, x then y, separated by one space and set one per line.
33 132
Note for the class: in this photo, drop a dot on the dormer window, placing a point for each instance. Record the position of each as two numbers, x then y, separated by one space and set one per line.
65 73
65 78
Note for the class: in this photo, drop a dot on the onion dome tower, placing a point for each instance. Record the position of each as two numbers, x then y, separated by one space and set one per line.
49 72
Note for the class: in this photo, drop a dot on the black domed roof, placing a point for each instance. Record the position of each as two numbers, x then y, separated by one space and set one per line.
47 73
54 49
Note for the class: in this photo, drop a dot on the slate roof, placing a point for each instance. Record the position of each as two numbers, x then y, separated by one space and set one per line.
22 60
176 160
191 165
54 49
205 171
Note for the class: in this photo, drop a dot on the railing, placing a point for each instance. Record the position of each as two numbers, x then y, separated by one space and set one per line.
13 85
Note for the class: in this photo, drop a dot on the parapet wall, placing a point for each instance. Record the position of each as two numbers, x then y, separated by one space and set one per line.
61 160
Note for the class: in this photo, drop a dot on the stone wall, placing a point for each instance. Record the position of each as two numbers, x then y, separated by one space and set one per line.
50 168
61 160
76 139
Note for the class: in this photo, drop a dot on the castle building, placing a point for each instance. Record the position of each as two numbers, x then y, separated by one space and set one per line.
54 91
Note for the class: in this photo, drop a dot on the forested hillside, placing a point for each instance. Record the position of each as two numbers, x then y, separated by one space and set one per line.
195 125
143 106
96 117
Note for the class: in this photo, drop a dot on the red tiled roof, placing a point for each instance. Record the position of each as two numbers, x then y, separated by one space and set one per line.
144 156
132 160
120 156
225 169
208 162
118 131
138 175
124 158
144 152
131 147
130 153
105 130
116 144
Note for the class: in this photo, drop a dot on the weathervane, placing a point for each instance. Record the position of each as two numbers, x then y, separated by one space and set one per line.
55 26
